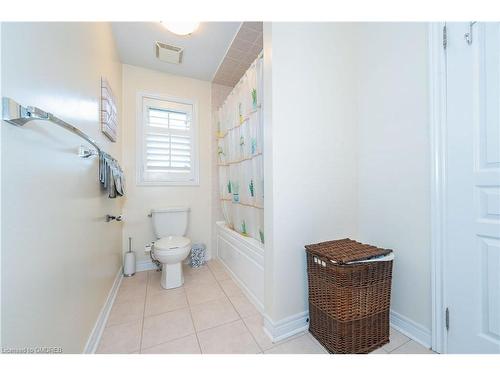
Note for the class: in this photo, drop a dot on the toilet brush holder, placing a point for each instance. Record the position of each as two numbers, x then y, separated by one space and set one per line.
129 261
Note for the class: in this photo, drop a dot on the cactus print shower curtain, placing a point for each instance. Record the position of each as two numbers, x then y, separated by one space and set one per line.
240 159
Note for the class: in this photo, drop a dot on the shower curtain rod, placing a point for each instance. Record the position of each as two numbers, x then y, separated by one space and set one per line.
18 115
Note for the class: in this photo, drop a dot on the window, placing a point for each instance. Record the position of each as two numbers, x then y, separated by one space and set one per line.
167 142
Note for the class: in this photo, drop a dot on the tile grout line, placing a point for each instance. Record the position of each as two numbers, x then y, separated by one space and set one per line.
177 338
242 319
192 320
132 321
218 325
234 307
275 345
397 347
196 332
190 312
149 276
189 306
223 291
166 342
287 340
253 336
147 316
190 334
144 311
227 296
165 312
175 309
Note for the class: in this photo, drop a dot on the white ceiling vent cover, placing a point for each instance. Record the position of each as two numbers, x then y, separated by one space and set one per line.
168 53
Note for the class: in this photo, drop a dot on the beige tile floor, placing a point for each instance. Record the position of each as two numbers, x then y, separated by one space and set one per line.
209 314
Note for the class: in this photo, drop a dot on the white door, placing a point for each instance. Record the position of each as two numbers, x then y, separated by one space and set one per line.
472 232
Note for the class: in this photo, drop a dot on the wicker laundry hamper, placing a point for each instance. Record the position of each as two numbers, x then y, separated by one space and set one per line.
349 295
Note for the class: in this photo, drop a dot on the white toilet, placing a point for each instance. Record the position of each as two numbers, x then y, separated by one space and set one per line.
171 248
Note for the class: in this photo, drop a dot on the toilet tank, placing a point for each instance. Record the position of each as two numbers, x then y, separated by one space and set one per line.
171 221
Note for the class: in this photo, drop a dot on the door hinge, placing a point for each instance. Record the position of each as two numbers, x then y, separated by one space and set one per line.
447 319
468 35
445 37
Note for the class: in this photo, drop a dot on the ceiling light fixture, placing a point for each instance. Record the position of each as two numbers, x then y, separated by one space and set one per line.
181 28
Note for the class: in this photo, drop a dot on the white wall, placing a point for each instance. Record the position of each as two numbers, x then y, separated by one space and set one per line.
347 155
1 94
394 157
141 199
59 256
310 152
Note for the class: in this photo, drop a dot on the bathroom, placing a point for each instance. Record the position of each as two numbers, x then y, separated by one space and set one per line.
154 205
242 142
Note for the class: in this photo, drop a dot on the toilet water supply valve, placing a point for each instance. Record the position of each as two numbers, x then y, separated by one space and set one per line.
149 248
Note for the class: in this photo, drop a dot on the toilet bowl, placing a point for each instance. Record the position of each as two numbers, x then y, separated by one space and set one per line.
171 252
171 248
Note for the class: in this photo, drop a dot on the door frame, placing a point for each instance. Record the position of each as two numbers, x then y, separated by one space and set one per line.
437 121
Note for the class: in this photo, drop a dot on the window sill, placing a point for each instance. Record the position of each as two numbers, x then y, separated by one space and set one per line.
167 183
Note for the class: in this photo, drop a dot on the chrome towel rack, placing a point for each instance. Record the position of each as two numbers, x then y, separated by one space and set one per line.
111 175
18 115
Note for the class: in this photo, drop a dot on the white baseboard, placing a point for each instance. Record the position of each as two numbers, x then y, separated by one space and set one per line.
294 324
287 327
95 336
413 330
144 265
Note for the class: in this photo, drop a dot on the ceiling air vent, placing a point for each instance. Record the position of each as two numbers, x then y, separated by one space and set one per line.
168 53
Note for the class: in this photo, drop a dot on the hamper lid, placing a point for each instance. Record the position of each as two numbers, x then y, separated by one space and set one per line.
346 250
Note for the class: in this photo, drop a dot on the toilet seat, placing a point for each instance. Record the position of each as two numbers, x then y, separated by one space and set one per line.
172 243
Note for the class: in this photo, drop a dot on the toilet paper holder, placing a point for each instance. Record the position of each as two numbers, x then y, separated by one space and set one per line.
111 218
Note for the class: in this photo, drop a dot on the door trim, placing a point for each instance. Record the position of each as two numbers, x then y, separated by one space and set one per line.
437 121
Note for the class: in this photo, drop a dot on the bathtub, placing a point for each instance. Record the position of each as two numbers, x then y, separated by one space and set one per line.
243 258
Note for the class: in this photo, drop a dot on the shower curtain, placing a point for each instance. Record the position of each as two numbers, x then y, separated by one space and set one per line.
240 159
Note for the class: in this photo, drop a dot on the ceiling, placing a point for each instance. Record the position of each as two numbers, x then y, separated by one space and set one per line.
203 50
246 46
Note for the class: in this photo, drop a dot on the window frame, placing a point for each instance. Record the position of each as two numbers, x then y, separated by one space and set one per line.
142 179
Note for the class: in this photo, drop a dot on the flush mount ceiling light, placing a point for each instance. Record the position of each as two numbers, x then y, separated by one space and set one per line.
181 28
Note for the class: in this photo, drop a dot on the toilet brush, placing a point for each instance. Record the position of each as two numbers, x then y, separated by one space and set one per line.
129 261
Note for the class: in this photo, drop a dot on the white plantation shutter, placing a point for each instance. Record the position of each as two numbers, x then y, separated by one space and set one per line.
168 142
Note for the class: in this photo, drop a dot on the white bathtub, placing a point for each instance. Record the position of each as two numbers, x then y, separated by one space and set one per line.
244 260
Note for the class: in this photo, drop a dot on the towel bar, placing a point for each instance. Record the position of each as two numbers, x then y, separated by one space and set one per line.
110 173
16 114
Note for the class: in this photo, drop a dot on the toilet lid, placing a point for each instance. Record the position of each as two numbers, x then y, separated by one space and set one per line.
171 242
